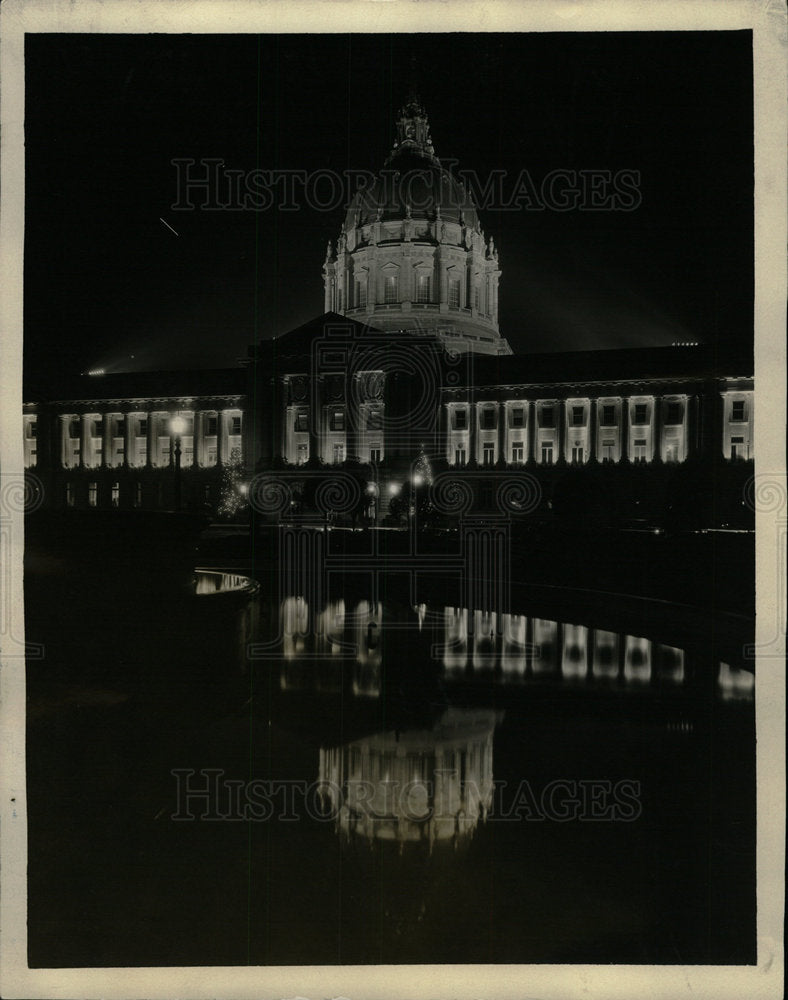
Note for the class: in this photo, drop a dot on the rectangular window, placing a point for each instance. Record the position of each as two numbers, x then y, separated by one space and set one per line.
577 454
488 453
361 294
338 420
517 453
116 494
375 454
32 429
673 414
120 428
578 416
518 416
547 453
737 448
460 420
671 452
487 419
454 293
69 495
608 450
210 458
477 298
235 425
391 289
339 453
639 452
641 414
737 410
608 416
211 423
547 417
138 494
98 427
92 494
302 454
302 421
143 427
73 428
423 288
460 456
374 420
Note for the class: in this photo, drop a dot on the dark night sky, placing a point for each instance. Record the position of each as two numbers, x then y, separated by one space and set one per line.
105 279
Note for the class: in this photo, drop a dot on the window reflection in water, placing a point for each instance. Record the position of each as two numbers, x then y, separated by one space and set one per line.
507 648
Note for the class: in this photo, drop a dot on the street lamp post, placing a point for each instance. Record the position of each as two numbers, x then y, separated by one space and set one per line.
177 426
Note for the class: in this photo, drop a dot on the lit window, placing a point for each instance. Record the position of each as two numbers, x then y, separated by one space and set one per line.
459 456
339 453
518 416
302 421
737 410
578 416
338 420
517 453
547 453
608 416
302 454
454 293
547 418
391 289
424 288
460 420
92 494
488 454
487 419
641 414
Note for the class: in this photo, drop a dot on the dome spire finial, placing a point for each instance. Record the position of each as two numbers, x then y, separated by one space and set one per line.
413 126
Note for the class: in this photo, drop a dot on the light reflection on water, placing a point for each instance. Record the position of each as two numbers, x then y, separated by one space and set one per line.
504 648
420 786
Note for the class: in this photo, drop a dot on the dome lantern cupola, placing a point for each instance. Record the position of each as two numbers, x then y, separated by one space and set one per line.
411 255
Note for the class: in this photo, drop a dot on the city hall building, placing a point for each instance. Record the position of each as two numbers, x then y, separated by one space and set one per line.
406 365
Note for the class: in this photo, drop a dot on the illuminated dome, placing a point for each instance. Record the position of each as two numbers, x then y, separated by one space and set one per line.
412 255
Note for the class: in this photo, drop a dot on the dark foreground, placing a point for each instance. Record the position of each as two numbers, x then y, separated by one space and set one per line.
141 678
